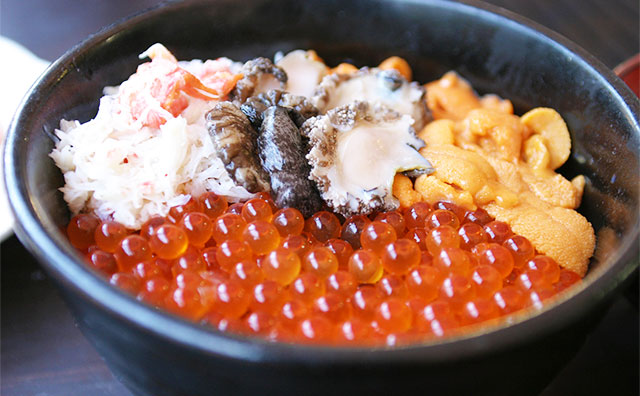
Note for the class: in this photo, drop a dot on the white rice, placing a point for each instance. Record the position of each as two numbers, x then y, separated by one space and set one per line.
119 169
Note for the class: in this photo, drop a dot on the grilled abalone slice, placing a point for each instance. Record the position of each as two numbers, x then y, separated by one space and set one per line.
259 75
304 70
378 87
282 153
356 150
235 141
255 106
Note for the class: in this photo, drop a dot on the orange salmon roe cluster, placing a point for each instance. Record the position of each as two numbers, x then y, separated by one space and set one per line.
389 278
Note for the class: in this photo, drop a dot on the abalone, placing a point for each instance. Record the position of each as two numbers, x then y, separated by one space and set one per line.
378 87
282 154
258 75
356 150
235 141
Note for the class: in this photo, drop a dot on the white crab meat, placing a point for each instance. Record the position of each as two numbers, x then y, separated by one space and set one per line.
378 87
355 154
304 72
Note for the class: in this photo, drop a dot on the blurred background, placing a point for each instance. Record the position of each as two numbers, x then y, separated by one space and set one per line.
607 29
43 353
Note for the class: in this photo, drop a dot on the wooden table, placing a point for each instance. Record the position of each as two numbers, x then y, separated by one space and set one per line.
43 353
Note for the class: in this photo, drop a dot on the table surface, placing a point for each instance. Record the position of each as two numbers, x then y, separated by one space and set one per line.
42 351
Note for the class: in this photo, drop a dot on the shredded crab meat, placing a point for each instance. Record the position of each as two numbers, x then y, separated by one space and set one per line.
158 90
147 148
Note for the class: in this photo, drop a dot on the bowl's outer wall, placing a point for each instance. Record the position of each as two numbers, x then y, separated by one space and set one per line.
494 54
156 367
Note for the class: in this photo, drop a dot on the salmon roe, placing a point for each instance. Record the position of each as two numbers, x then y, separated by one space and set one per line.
81 230
213 205
377 235
288 221
256 209
426 271
352 229
323 226
108 235
198 227
320 261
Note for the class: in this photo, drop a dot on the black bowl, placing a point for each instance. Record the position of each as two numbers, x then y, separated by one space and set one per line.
155 353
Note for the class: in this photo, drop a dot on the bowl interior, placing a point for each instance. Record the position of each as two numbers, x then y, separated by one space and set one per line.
495 54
